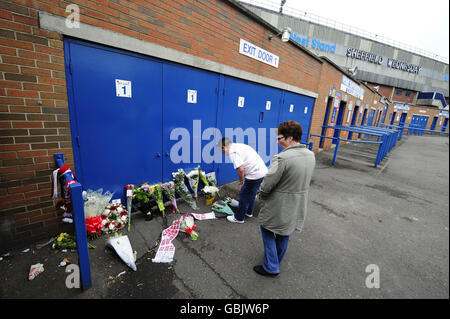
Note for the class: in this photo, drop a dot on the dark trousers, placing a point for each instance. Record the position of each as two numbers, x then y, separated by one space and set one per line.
247 197
275 247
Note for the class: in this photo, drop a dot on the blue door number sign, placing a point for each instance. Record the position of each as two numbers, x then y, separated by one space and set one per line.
123 88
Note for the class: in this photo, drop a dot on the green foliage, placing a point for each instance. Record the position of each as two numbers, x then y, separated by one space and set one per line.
141 195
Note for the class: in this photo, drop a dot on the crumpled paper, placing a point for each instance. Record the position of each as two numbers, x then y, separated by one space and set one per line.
35 270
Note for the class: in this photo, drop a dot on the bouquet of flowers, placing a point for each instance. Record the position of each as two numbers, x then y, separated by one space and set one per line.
187 226
114 218
169 191
142 193
203 176
129 193
211 178
194 179
181 188
157 194
211 188
66 241
94 226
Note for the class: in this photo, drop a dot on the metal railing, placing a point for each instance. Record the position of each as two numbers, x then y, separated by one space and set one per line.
311 17
80 225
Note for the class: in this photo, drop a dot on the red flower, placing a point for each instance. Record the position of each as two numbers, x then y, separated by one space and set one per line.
189 230
93 225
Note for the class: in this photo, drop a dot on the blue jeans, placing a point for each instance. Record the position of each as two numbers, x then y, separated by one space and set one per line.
247 197
275 247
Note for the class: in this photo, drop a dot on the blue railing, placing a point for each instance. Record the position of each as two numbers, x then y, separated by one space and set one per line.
338 139
386 138
80 225
412 129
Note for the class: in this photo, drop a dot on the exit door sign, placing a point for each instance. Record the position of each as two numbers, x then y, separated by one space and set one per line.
123 88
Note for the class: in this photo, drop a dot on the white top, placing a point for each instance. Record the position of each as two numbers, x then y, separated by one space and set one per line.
245 156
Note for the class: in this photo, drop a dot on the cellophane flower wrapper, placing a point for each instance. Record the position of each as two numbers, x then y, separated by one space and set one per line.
157 194
129 192
181 188
188 226
212 181
203 177
96 202
122 246
169 191
194 179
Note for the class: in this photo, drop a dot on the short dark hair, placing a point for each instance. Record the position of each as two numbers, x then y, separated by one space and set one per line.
224 142
291 128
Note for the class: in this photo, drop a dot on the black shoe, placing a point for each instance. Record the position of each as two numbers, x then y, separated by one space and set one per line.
260 270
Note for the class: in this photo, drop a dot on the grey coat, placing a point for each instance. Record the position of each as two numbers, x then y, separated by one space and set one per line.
284 190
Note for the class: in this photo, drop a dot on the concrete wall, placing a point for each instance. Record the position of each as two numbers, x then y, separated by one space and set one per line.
432 76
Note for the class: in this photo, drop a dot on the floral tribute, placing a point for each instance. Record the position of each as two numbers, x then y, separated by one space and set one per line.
181 188
94 226
187 226
169 192
210 188
114 218
157 193
129 192
194 180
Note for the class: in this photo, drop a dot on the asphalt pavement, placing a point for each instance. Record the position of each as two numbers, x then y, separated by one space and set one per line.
370 233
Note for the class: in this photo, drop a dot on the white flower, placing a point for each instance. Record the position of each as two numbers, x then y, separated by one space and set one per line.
210 189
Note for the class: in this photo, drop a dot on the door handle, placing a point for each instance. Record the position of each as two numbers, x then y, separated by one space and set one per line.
158 155
261 117
167 154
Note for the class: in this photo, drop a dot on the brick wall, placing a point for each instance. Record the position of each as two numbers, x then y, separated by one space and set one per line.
34 122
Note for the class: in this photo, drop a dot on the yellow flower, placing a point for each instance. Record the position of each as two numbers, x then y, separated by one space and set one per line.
61 236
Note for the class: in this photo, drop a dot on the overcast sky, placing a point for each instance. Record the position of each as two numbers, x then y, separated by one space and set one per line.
420 23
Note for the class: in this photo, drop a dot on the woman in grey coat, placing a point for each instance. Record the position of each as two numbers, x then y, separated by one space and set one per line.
284 196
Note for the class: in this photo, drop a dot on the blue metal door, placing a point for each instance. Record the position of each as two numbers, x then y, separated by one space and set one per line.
403 119
393 118
370 117
340 116
418 122
298 108
249 114
433 124
353 122
444 126
189 119
116 126
325 121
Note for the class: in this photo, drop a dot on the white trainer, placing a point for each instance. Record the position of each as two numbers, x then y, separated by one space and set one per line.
234 220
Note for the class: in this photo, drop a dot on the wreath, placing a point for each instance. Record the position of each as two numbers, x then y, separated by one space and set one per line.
114 218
